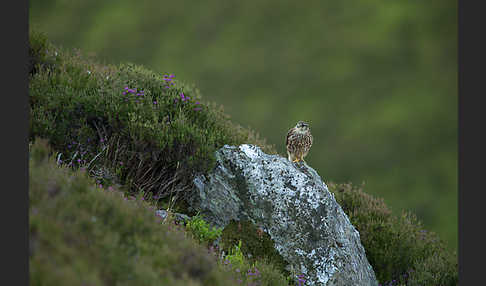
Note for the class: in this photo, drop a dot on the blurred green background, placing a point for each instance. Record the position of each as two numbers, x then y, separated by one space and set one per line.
377 80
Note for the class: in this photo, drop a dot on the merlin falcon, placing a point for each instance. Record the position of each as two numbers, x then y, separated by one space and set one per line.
299 141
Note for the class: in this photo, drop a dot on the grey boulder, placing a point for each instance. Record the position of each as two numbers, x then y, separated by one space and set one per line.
291 203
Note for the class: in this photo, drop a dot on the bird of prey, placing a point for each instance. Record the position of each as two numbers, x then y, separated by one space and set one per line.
299 141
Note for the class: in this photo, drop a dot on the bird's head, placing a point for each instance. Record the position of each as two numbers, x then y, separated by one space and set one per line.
302 126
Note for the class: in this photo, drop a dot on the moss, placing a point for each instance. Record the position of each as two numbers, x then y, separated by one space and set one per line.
255 243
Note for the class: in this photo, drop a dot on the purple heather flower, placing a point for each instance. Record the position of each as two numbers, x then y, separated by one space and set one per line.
126 87
124 92
155 101
197 108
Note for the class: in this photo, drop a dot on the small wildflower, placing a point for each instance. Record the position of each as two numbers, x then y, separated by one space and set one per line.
197 108
155 101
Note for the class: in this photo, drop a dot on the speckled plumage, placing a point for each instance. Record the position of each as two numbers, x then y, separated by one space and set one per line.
299 142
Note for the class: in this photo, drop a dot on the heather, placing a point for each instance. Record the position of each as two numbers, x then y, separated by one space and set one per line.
398 247
118 132
376 80
149 132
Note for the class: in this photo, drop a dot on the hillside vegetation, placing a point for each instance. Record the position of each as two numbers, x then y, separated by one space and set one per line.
376 80
133 133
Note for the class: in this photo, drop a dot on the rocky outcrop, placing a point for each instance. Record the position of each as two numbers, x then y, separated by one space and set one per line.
291 203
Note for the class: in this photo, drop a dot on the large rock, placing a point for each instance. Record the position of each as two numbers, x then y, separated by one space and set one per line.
292 204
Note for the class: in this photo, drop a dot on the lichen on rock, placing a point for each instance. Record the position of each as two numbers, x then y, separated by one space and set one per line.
290 202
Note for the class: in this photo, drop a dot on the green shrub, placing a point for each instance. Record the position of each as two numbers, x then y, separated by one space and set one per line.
202 231
42 54
252 273
398 248
235 256
81 234
255 244
151 131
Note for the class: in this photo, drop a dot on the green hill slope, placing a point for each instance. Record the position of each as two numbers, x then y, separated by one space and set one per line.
147 134
376 80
